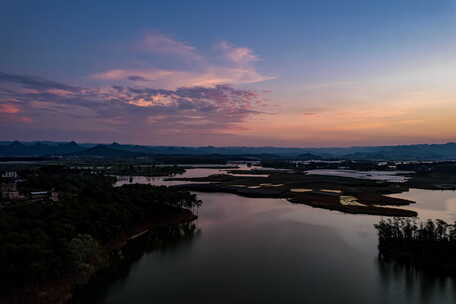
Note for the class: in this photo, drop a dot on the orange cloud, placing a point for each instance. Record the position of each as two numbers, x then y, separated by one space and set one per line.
9 108
172 79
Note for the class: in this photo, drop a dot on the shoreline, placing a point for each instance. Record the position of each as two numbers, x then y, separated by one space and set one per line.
62 291
367 196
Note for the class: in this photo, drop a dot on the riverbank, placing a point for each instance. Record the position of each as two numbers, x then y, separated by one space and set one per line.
50 246
61 291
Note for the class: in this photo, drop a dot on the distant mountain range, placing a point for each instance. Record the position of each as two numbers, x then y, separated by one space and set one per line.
107 151
16 148
73 149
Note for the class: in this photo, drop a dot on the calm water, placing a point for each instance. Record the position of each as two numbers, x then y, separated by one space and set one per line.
391 176
270 251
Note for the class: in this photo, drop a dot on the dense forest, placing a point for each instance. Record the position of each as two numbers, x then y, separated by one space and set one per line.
429 245
72 238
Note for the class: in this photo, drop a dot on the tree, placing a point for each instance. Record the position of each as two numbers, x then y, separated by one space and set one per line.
86 256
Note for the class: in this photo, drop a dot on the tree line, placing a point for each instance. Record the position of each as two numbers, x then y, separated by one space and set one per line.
53 241
410 230
428 245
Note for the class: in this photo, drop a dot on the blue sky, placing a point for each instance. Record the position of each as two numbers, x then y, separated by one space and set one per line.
323 65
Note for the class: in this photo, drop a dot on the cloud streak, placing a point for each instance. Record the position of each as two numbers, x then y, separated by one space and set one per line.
172 79
160 44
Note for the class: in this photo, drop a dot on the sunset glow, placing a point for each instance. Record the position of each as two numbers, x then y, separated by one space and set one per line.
308 73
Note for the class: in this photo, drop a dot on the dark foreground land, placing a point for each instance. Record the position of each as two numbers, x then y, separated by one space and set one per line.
430 246
329 192
49 248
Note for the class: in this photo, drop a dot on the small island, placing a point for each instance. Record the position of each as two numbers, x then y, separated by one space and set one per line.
349 195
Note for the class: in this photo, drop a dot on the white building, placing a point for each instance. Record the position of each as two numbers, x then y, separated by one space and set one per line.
9 174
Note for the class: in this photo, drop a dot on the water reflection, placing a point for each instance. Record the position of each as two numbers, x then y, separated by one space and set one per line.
432 204
269 251
162 240
418 286
165 237
193 172
161 180
391 176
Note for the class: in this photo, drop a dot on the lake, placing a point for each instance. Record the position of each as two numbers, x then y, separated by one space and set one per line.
252 250
390 176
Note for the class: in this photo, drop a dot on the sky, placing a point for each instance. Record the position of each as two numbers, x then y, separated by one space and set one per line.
229 73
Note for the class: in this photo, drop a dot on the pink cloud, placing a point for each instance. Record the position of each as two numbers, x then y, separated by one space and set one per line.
124 109
172 79
237 69
25 119
59 92
161 44
237 55
135 75
9 108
